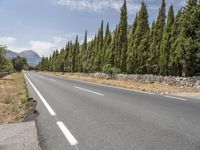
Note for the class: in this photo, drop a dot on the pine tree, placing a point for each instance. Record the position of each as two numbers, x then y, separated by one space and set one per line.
166 45
123 38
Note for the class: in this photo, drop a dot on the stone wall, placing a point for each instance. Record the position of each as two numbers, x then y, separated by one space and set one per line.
170 80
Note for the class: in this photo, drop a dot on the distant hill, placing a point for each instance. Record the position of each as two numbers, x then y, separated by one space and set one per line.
32 57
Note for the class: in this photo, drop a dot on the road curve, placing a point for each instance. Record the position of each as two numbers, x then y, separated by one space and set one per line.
97 117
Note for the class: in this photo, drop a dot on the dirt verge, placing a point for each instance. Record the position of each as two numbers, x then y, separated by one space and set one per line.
14 102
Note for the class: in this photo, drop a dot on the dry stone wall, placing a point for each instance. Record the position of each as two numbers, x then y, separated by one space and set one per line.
170 80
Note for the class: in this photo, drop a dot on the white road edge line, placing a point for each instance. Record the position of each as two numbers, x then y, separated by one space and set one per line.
67 134
51 111
89 91
179 98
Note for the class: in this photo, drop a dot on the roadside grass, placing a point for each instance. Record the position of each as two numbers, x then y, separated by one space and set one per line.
13 98
155 87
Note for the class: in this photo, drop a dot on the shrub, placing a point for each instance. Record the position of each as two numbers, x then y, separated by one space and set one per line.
110 70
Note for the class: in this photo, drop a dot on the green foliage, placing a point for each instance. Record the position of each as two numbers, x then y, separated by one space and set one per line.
123 38
166 43
169 47
157 39
110 70
5 64
19 63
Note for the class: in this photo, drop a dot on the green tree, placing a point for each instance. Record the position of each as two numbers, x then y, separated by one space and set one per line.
5 64
84 54
166 45
189 43
107 42
141 34
110 53
130 56
123 38
175 67
76 58
19 63
157 36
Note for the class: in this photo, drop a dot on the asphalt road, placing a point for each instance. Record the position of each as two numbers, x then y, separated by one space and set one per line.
76 115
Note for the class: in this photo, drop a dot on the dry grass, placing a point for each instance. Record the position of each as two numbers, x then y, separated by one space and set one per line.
151 87
13 98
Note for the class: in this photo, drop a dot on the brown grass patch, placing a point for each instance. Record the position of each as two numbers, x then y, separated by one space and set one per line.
150 87
13 98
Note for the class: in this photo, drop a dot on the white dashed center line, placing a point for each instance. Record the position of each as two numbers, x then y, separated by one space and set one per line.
89 91
179 98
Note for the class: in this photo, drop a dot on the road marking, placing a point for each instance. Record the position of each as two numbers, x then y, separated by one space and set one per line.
67 134
89 91
115 87
179 98
51 111
52 80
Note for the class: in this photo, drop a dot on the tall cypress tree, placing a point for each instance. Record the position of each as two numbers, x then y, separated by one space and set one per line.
175 67
116 50
140 34
157 36
123 37
190 38
130 56
76 57
166 45
84 53
111 52
107 42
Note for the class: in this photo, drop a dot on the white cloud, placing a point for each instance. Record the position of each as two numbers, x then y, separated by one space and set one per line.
98 5
45 48
6 40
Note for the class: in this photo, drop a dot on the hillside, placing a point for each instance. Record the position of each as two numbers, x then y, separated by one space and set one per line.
32 57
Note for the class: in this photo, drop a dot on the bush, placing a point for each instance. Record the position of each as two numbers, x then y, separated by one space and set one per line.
110 70
107 68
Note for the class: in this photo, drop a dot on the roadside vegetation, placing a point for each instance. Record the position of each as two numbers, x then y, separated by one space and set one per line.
14 104
169 46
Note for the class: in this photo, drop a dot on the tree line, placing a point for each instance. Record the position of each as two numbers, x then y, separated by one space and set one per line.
169 46
15 64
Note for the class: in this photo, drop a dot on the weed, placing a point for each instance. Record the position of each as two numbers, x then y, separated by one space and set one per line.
8 99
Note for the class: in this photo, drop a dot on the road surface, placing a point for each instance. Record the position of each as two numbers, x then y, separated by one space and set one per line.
77 115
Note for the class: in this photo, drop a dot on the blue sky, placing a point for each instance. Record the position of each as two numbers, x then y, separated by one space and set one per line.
45 25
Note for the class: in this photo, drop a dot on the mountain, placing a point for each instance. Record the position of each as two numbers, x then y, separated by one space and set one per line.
10 54
32 57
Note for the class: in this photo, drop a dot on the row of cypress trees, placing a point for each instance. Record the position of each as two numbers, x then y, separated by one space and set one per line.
169 46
